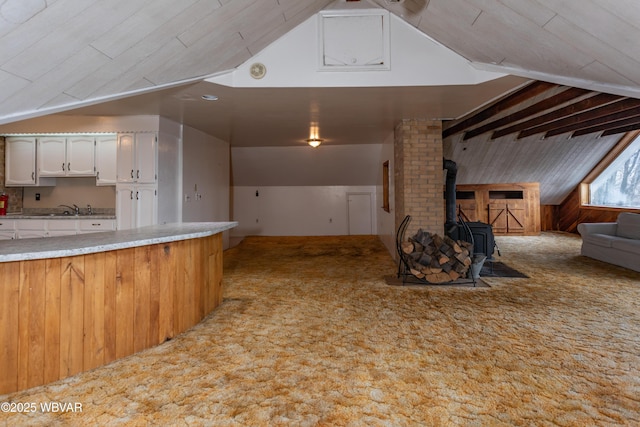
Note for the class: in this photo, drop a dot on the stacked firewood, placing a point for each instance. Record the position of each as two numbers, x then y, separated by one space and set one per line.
437 259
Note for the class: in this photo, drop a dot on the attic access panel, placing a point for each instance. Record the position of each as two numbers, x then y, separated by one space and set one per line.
353 40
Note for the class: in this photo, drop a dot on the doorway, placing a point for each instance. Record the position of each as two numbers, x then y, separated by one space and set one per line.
359 213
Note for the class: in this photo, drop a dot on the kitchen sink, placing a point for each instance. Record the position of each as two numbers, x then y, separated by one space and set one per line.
53 214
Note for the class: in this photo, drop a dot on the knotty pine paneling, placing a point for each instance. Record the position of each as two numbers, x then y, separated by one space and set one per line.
66 315
507 216
571 212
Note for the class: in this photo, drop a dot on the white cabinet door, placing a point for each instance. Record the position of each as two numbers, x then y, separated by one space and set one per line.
29 228
146 158
125 161
81 156
95 225
66 156
52 157
7 235
7 231
136 206
137 158
146 206
106 153
125 214
20 161
61 227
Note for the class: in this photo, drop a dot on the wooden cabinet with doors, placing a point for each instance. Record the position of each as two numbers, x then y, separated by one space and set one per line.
511 209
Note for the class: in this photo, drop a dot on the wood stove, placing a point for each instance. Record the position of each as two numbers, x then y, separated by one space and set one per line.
478 233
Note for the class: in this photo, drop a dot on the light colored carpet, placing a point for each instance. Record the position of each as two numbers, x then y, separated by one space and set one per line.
310 334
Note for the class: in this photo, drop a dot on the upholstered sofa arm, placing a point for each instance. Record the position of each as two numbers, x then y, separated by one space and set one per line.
609 228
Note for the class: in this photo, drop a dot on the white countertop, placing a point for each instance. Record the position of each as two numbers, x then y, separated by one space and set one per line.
80 244
61 217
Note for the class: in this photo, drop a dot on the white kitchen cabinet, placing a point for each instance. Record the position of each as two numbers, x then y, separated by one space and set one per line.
136 205
52 157
20 161
66 156
7 234
106 155
29 228
137 158
95 225
7 229
61 227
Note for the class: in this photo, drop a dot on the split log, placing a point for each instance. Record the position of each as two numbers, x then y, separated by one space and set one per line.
437 259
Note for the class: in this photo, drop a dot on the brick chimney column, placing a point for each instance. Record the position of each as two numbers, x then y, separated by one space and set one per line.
419 175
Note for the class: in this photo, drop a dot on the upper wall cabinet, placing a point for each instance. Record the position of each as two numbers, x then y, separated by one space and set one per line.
20 161
137 158
106 154
66 156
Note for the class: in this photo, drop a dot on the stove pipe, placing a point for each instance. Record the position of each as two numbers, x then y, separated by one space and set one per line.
450 225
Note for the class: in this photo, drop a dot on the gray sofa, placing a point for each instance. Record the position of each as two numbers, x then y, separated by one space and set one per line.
613 242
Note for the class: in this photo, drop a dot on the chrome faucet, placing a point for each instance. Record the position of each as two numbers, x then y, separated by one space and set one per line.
89 210
75 208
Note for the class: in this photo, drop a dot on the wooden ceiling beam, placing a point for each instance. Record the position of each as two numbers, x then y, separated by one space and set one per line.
596 125
532 110
625 104
576 107
623 129
527 92
632 121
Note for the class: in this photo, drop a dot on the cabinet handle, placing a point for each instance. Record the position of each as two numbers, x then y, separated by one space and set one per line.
131 195
98 175
137 198
63 167
68 166
33 176
96 224
138 174
131 173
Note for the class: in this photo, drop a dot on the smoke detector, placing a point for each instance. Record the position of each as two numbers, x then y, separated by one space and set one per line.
257 70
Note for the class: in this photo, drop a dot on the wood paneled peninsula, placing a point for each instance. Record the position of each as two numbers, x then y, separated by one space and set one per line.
69 304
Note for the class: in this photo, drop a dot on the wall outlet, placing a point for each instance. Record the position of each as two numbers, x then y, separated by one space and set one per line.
37 196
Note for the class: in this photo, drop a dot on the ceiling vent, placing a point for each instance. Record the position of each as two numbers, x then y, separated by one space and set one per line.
354 40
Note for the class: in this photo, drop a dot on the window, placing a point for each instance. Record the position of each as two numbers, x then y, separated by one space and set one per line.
385 187
619 184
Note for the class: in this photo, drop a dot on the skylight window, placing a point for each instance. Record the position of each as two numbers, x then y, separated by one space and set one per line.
619 184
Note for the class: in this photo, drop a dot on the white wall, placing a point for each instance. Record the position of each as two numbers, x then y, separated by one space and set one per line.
169 172
70 191
302 191
205 177
295 210
386 220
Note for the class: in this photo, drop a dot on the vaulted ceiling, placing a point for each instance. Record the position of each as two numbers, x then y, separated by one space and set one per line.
61 54
145 56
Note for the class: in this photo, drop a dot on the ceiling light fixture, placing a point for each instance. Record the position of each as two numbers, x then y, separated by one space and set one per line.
314 142
209 97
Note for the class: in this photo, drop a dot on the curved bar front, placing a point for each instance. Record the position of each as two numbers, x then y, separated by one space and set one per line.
73 303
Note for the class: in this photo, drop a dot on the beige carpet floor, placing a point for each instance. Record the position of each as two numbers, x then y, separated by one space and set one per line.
310 334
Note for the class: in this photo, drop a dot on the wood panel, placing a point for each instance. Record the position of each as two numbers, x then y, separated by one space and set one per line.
53 288
512 209
62 316
572 212
9 315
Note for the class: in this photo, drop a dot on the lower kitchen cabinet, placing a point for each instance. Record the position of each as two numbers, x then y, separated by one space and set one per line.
32 228
95 225
136 205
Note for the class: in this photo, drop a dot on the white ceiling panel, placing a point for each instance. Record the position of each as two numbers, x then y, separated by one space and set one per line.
79 54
